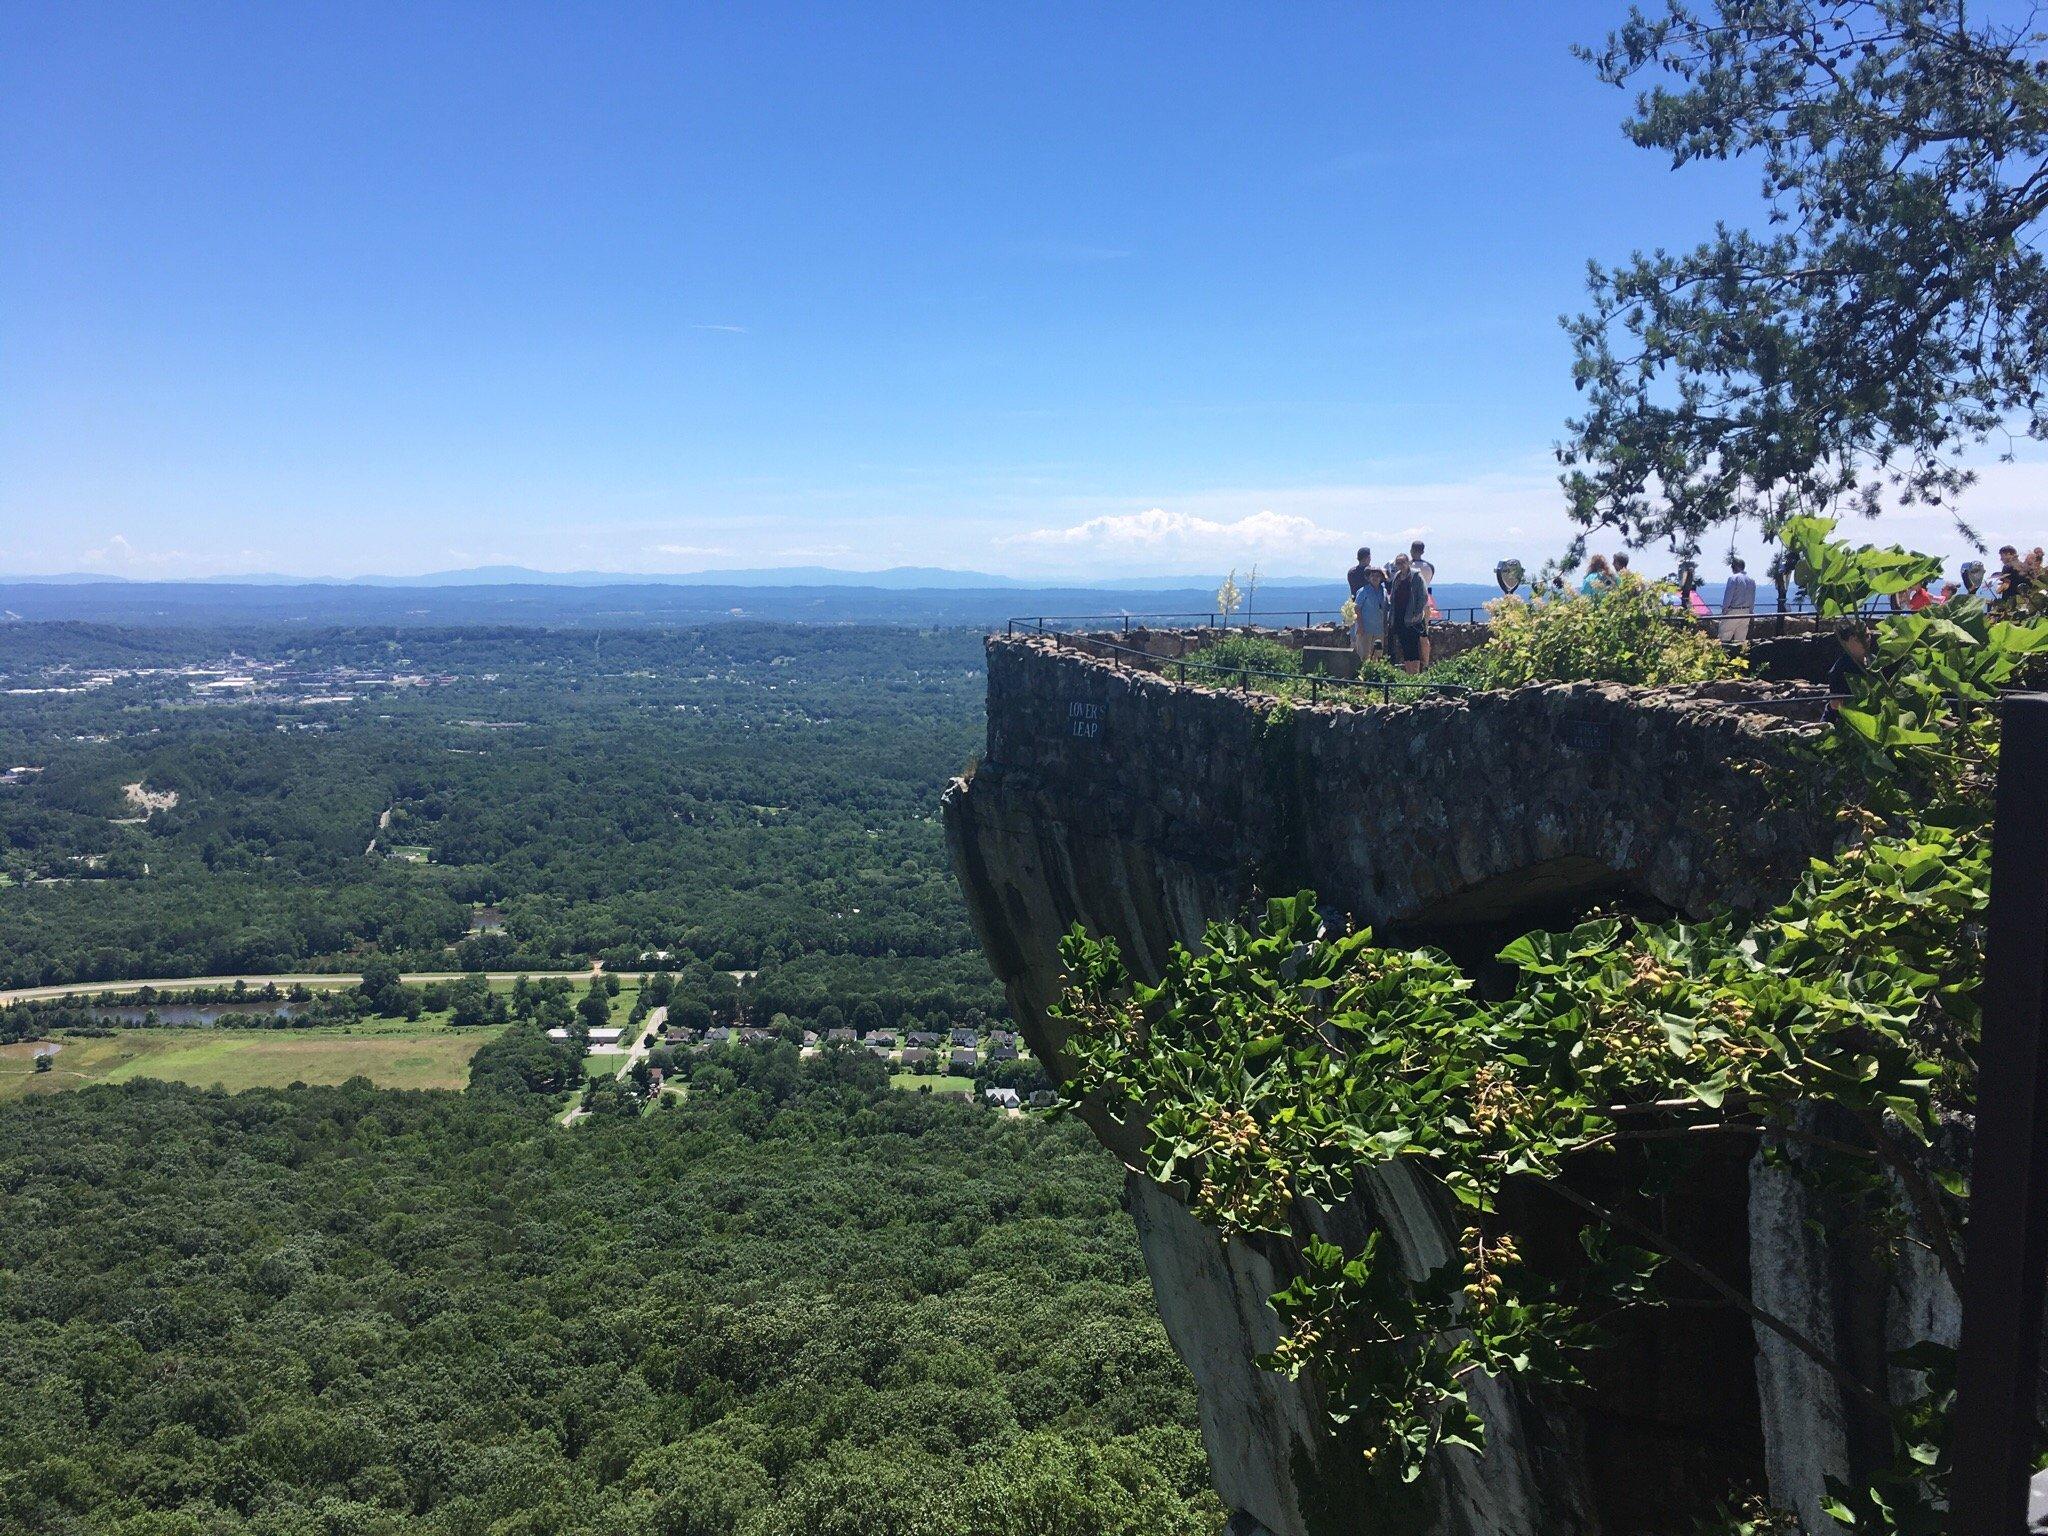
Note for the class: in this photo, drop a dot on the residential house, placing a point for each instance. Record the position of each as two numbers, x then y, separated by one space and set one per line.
966 1037
916 1056
963 1061
1003 1098
597 1036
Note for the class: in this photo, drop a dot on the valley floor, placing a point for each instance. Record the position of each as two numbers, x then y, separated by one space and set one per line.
391 1055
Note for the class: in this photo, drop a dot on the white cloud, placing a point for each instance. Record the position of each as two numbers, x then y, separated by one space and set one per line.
118 554
690 551
1184 535
736 330
1303 530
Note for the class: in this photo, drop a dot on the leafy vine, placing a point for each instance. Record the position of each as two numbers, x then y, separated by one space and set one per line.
1280 1068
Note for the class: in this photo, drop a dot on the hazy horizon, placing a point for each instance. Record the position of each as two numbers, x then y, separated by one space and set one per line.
1065 295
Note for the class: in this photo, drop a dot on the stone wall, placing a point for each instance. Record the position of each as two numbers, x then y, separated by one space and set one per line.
1113 797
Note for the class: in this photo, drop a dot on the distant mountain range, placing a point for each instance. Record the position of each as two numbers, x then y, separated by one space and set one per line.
895 579
613 604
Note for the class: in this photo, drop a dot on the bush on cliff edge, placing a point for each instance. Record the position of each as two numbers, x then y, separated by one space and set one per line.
1631 634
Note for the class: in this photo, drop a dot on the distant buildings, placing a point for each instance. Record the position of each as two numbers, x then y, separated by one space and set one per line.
606 1036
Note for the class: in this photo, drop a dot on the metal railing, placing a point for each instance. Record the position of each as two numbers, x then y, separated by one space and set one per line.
1180 666
1313 618
1042 623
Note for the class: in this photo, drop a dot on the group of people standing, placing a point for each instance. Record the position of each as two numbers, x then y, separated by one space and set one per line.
1393 608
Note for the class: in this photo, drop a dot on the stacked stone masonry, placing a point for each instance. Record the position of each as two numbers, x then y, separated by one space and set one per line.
1112 796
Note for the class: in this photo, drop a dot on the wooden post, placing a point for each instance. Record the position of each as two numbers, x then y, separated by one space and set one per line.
2007 1261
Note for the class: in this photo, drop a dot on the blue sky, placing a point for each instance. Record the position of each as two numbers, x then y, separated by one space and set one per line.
1049 290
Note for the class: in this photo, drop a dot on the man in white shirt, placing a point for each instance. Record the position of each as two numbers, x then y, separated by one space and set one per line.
1738 602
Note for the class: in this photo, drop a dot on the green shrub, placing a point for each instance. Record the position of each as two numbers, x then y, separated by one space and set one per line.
1253 652
1467 669
1631 634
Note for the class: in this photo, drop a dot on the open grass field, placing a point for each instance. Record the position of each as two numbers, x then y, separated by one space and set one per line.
391 1055
916 1080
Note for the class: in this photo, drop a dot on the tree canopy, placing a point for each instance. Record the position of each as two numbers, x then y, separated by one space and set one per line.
1893 313
794 1303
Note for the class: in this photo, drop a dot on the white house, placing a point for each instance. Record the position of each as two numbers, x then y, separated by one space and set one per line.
605 1036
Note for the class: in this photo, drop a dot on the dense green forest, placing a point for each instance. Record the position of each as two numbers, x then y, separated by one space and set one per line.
783 1299
752 797
794 1302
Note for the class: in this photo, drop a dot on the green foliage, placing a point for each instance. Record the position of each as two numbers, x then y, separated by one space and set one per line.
523 1060
1906 1498
796 1304
472 1002
1277 1067
613 795
1632 633
1282 1068
1921 728
1242 652
1891 316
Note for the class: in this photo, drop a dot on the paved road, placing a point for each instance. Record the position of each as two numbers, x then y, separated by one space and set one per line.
310 978
638 1051
656 1017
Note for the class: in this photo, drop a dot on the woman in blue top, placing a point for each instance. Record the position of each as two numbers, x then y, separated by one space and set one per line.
1599 580
1369 630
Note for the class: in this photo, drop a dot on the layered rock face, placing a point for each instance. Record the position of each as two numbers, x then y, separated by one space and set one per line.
1113 797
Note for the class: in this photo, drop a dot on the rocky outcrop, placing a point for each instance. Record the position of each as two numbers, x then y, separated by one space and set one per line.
1112 796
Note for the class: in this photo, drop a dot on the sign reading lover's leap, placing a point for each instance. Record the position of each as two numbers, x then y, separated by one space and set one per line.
1583 735
1084 719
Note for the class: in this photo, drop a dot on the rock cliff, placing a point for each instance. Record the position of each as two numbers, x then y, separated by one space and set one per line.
1111 796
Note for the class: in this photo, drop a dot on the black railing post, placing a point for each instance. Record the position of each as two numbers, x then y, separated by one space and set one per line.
1992 1438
